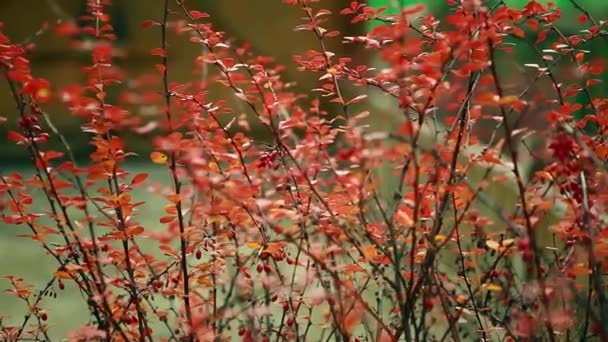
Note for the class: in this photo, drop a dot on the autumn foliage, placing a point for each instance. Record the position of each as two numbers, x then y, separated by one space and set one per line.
326 228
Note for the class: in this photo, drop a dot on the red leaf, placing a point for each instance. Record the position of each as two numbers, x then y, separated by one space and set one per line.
533 24
356 99
149 23
160 68
16 137
542 35
198 15
158 52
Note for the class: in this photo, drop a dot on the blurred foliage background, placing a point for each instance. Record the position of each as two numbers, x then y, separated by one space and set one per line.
266 24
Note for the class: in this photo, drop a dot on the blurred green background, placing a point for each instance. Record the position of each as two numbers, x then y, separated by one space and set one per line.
266 24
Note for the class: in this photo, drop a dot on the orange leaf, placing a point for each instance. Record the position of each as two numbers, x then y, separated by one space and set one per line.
63 275
352 268
204 280
518 32
507 100
487 99
132 231
174 198
274 247
353 318
139 178
167 219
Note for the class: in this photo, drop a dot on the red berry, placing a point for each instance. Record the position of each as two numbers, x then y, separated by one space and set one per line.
198 254
43 316
279 256
527 256
428 304
523 244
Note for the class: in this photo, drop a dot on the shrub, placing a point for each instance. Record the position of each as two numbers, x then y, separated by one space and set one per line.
479 215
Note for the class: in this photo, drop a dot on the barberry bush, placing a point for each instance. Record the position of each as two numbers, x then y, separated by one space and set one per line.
478 213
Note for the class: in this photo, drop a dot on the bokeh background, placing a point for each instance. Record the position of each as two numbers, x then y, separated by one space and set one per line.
266 24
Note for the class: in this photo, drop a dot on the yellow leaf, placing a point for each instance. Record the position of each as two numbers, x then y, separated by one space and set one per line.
158 158
213 167
440 238
254 245
494 287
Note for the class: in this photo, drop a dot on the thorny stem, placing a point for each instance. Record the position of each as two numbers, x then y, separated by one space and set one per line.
176 181
522 196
